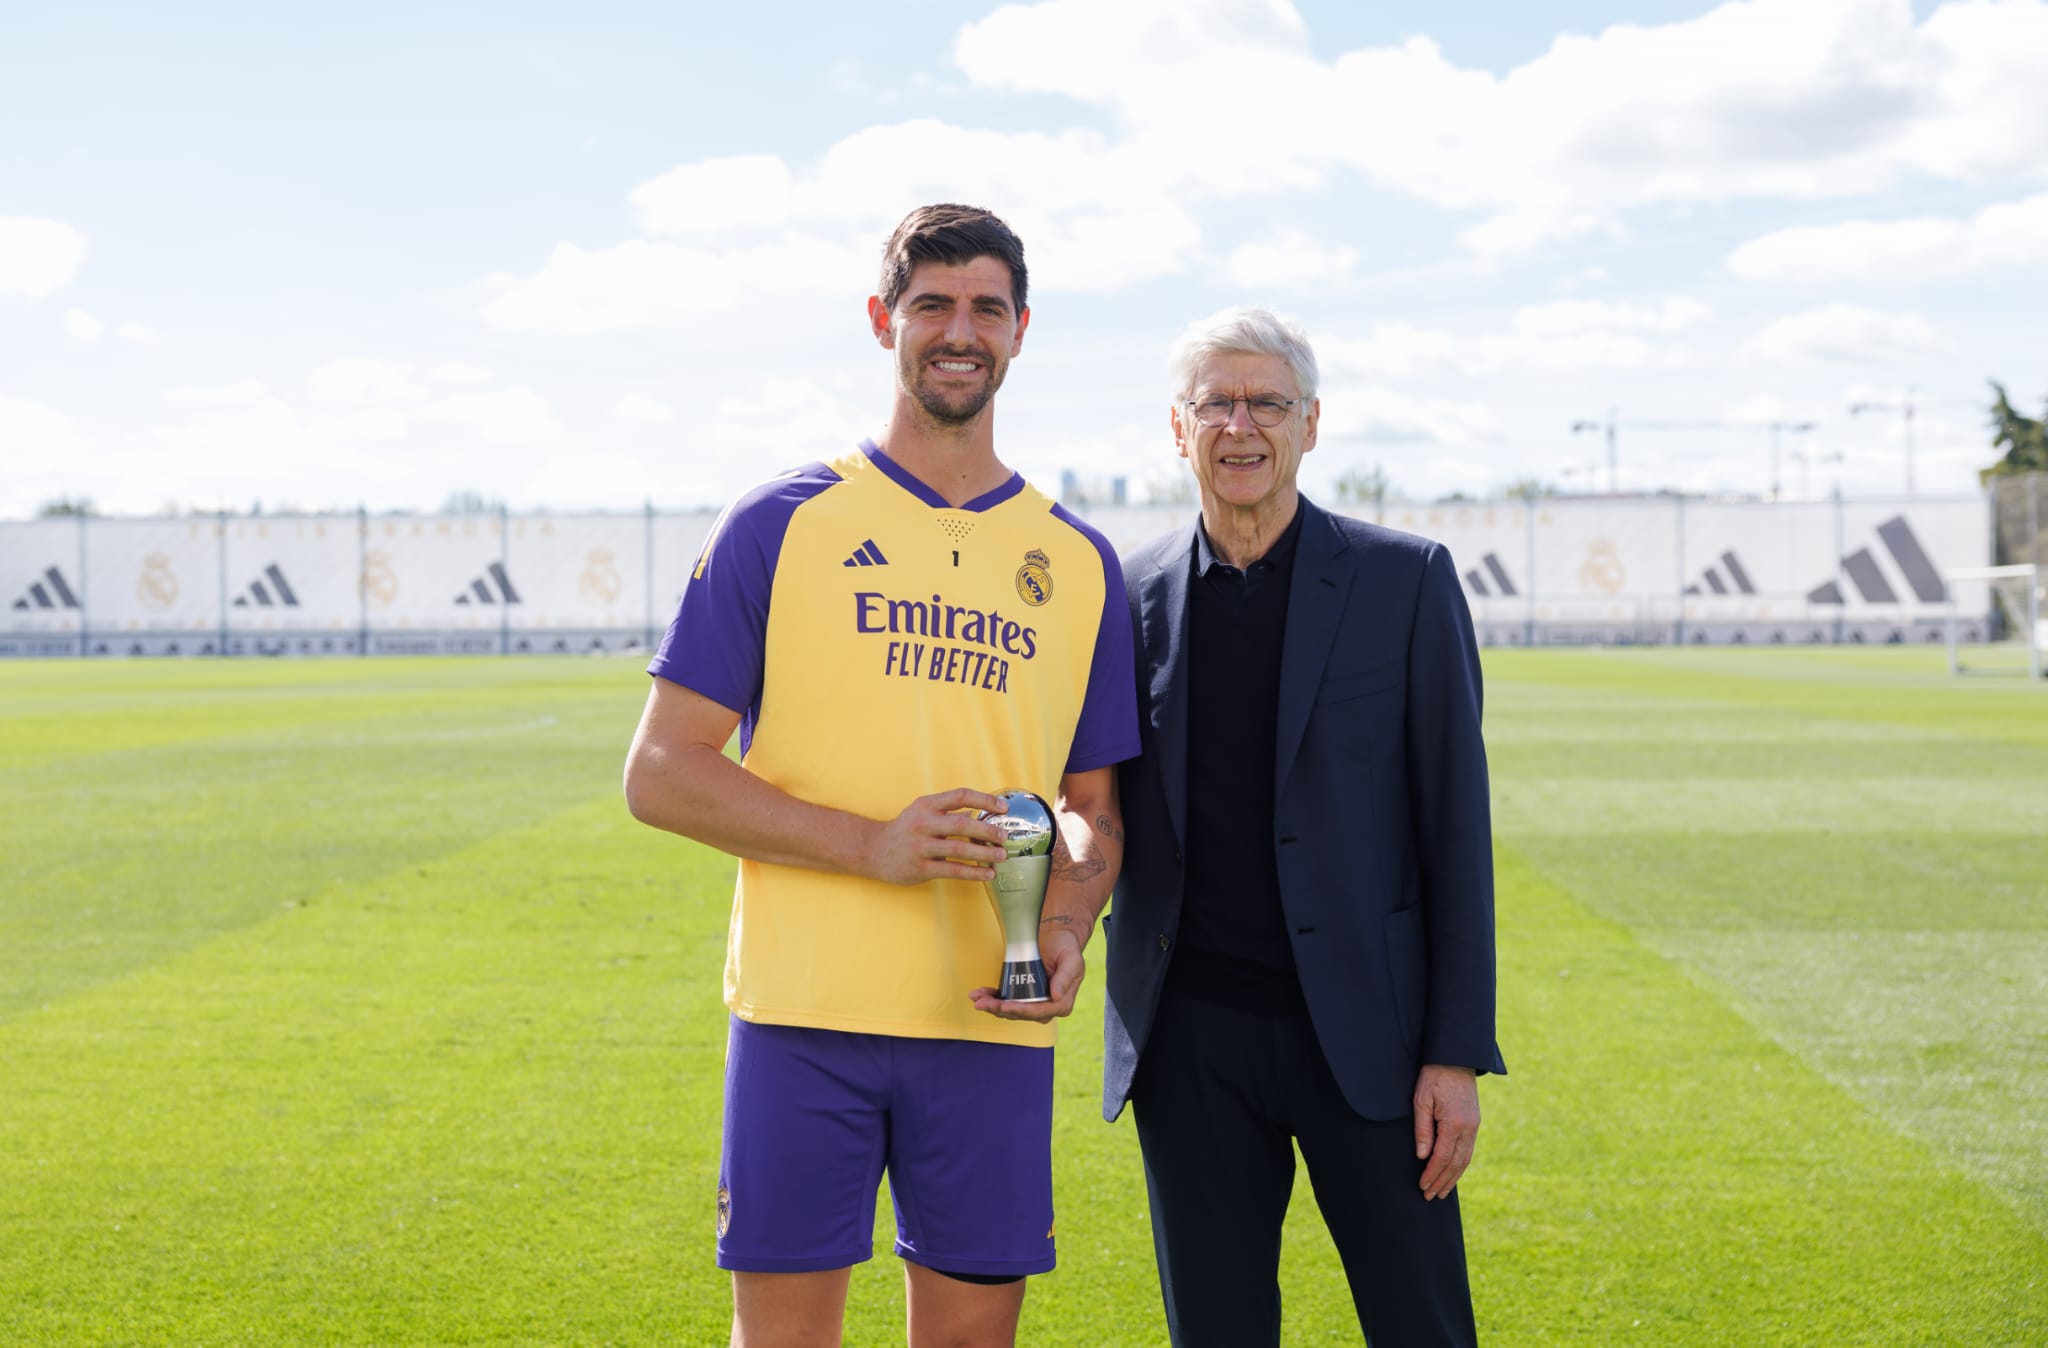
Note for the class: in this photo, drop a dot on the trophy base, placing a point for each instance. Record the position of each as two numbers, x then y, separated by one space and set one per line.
1025 981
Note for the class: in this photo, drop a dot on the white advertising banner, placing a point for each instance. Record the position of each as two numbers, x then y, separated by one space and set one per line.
1559 569
42 580
154 576
580 573
678 543
292 574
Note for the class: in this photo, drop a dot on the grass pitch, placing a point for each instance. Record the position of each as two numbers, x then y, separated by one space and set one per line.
342 1003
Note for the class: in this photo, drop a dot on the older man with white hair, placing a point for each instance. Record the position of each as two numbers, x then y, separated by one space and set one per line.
1301 941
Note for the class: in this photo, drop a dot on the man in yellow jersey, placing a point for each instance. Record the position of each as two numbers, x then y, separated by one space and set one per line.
897 632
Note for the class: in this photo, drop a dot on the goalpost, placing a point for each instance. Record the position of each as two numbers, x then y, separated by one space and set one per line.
2016 590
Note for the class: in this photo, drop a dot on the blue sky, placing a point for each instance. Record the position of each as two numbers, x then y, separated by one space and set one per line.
592 256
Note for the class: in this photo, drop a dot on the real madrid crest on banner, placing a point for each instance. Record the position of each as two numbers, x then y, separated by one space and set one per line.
1034 578
157 586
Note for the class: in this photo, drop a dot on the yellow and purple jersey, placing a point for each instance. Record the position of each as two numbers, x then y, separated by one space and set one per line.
881 645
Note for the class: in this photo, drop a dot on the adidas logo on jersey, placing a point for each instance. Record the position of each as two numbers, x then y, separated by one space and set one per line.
867 554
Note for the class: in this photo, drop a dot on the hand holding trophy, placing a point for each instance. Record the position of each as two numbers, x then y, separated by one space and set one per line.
1016 889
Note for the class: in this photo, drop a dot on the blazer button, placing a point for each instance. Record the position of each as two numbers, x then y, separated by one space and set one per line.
1165 941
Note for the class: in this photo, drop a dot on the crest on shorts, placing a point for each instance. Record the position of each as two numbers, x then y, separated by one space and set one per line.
1034 578
724 1210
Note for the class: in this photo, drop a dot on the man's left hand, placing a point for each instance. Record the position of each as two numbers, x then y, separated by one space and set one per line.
1064 970
1446 1125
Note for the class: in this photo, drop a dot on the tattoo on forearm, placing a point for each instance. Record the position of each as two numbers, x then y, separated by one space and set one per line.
1075 870
1108 829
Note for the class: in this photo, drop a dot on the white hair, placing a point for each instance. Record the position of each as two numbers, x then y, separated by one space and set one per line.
1241 331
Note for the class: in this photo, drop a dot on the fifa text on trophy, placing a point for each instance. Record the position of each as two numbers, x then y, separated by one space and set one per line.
1016 888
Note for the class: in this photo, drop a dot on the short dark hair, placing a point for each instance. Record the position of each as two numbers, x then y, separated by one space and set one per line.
954 235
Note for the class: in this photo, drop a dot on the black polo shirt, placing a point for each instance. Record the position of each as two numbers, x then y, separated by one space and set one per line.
1233 948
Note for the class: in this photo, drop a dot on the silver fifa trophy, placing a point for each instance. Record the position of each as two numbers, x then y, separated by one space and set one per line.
1016 888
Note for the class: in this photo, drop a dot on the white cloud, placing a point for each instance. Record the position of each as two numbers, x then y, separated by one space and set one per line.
134 332
1096 216
643 285
1377 414
241 393
38 257
82 326
260 448
2006 234
1528 229
458 372
516 416
746 193
31 433
1289 258
1566 317
372 425
359 379
1390 351
1842 332
1563 336
589 479
638 407
1799 99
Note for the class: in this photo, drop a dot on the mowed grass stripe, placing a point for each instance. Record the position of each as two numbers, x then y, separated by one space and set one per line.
480 1105
1655 1169
481 1086
471 1102
116 855
1880 906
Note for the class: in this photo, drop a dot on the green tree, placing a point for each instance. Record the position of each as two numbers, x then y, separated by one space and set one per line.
470 501
2024 439
1528 489
1365 484
66 505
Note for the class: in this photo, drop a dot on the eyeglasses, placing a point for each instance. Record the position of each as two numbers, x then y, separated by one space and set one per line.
1265 410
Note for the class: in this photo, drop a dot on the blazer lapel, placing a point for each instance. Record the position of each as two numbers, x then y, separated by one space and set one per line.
1315 605
1163 611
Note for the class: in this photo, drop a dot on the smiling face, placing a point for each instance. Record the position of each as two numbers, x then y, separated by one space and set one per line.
954 330
1241 467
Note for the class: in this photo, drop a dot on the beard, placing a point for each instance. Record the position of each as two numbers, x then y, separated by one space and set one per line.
953 406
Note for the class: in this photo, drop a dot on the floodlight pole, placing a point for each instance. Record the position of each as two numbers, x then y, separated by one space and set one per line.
1607 426
1798 427
1906 409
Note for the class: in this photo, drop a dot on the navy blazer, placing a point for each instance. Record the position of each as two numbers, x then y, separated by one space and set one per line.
1381 824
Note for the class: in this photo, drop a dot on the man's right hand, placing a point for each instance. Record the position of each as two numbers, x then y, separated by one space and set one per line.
934 840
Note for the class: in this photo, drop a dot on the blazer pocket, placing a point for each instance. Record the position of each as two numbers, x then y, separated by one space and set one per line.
1345 687
1407 971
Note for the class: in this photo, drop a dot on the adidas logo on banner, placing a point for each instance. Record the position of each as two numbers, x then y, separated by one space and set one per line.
479 591
277 593
1715 585
867 554
48 592
1869 579
1500 578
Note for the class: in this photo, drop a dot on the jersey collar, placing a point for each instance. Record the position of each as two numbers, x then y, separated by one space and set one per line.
905 479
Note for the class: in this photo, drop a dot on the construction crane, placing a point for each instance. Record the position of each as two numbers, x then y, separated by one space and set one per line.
1613 425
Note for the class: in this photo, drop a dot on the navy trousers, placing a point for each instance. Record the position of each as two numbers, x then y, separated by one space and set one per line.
1221 1096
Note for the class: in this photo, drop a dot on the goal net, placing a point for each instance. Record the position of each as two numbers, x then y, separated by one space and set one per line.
2007 636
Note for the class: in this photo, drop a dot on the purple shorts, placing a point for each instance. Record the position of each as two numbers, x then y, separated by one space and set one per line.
813 1118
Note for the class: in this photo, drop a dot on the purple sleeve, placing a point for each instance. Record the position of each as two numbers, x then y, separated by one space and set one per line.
716 645
1108 729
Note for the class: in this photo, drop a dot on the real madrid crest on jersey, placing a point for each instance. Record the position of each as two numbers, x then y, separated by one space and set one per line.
1034 578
